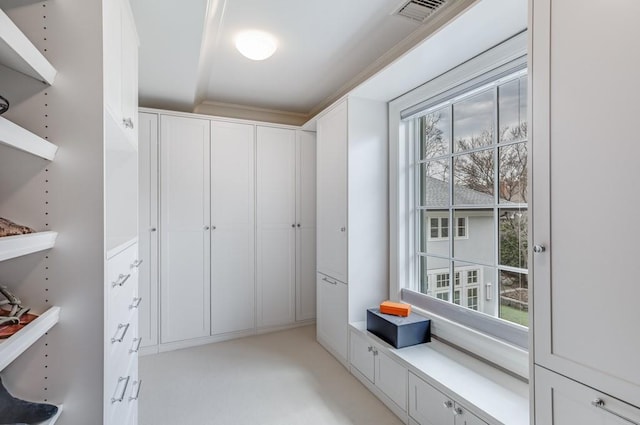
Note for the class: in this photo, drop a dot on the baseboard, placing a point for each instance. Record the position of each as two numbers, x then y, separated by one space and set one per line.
179 345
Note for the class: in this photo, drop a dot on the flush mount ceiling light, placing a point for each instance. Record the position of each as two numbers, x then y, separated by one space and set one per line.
256 45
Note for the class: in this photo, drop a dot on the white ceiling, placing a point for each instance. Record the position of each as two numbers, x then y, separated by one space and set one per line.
187 54
188 60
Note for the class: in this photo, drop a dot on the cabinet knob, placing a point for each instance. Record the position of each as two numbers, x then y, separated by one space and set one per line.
206 227
298 224
457 411
343 229
293 225
448 404
153 229
539 249
369 348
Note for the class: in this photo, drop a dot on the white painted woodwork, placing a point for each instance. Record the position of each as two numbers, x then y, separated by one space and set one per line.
15 345
380 369
148 228
428 406
184 228
332 193
391 378
562 401
361 355
233 227
331 318
18 53
305 225
19 245
276 230
17 137
583 119
121 61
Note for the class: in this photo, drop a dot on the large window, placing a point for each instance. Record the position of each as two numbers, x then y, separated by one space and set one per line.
470 165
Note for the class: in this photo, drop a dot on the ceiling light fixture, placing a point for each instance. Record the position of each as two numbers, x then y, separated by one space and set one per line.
256 45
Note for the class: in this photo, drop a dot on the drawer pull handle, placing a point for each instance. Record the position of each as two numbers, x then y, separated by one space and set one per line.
124 389
136 264
122 279
333 282
120 326
131 351
599 403
136 303
137 391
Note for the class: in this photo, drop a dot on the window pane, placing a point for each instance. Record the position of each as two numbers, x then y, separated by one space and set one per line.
473 121
477 287
473 178
444 227
434 181
436 133
431 240
478 245
512 110
514 297
513 173
461 227
513 230
430 268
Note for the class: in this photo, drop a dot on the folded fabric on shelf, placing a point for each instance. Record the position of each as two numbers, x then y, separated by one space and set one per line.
9 228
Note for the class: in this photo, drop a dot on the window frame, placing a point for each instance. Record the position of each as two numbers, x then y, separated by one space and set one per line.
508 347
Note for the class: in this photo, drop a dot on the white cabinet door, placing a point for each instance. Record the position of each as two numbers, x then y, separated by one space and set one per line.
391 378
233 224
276 226
332 193
427 405
147 225
184 228
305 225
561 401
129 78
361 355
585 297
113 35
331 322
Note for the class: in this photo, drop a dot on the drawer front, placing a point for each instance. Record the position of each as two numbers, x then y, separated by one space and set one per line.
427 405
122 282
122 352
119 390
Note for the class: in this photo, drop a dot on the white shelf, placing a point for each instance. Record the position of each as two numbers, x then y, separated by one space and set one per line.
16 246
18 343
19 54
17 137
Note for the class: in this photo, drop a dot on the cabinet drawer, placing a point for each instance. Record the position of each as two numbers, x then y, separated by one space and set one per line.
562 401
122 352
121 389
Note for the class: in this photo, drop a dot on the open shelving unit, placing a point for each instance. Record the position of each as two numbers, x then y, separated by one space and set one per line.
16 246
19 54
18 343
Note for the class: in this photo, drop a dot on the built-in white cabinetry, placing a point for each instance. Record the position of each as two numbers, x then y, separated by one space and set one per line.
583 160
428 406
562 401
244 191
331 320
352 210
305 225
276 225
381 373
121 62
148 229
185 228
233 227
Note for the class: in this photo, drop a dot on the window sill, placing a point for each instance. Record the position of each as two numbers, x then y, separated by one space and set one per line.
506 356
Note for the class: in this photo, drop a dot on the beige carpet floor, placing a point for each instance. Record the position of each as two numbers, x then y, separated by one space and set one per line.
282 378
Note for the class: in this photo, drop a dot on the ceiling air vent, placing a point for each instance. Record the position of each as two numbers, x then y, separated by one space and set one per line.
419 10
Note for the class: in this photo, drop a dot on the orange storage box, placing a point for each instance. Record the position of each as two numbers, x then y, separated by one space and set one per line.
396 309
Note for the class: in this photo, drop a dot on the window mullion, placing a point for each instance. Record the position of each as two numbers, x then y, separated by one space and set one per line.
452 277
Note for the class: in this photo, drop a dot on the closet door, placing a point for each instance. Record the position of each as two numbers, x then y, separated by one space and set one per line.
185 228
233 227
276 226
147 228
305 225
332 193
